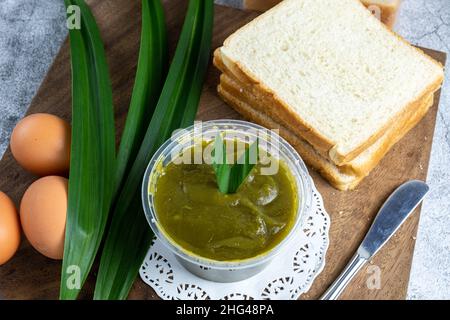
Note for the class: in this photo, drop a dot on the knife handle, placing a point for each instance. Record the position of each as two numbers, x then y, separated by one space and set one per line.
335 290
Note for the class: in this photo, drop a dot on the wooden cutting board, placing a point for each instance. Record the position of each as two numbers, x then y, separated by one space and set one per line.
31 276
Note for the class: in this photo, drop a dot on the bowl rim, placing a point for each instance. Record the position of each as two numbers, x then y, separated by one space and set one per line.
298 171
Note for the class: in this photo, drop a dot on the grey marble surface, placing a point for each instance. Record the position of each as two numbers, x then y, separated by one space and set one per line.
31 32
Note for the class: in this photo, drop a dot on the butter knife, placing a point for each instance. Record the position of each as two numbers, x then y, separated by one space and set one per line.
397 208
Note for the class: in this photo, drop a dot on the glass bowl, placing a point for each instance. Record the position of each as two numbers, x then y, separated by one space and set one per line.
269 141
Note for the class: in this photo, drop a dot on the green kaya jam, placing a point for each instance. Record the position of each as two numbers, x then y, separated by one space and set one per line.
225 227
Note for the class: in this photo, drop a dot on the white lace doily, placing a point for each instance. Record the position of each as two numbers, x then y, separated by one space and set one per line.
291 275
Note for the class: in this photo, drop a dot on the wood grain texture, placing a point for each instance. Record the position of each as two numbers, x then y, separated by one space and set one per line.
31 276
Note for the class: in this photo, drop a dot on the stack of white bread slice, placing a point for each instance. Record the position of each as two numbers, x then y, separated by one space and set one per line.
337 83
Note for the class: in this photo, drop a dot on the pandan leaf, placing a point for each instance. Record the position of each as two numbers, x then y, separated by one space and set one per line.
130 236
150 76
92 163
230 176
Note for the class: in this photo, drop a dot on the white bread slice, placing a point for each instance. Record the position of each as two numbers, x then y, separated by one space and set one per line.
334 174
385 10
336 72
364 162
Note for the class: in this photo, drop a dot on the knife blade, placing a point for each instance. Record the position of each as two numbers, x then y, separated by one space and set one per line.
397 208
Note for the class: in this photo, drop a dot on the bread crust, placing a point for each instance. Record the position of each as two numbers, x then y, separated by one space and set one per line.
388 11
355 167
337 176
319 141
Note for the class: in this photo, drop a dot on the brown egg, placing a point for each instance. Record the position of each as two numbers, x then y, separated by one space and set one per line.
9 229
41 144
43 212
